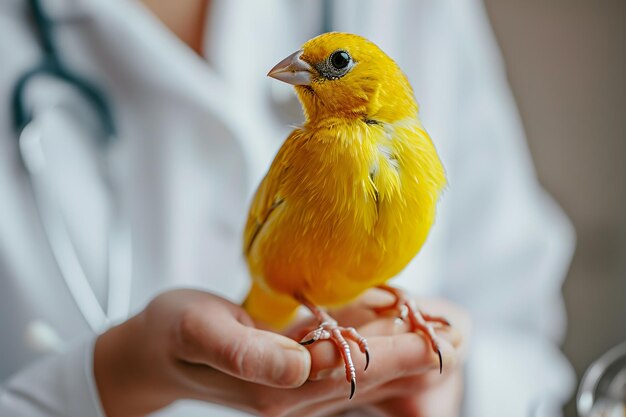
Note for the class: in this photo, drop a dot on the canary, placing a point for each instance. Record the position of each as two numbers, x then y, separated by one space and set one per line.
350 196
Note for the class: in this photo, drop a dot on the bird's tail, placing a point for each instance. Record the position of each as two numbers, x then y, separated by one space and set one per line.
272 309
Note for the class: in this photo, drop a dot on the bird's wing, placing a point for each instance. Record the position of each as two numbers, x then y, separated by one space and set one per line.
268 196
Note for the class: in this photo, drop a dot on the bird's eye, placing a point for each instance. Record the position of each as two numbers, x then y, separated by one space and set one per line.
338 64
340 59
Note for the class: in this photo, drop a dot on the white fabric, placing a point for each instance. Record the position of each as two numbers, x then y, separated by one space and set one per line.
195 140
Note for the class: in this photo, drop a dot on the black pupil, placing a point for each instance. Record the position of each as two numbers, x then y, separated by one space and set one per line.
340 59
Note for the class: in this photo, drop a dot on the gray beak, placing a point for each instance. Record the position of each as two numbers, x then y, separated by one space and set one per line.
292 70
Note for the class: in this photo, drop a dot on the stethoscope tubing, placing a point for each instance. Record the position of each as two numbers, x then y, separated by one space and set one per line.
30 132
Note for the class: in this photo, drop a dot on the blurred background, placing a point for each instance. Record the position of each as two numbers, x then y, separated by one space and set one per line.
566 63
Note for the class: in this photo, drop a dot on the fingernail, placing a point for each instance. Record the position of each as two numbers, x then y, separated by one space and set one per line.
294 366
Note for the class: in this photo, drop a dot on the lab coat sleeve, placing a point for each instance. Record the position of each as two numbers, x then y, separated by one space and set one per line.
508 245
61 385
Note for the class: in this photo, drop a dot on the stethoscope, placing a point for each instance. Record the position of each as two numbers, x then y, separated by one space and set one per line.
29 132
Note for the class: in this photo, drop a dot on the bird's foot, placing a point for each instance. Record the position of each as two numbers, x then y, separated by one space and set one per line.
417 320
330 330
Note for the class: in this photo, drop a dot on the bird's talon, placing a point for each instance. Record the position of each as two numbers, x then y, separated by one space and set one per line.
352 387
330 330
440 360
417 320
307 342
367 359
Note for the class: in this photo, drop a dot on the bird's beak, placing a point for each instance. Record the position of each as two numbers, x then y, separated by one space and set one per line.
292 70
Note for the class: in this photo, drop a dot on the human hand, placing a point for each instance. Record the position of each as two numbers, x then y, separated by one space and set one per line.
191 344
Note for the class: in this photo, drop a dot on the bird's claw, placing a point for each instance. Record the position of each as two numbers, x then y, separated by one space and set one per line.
318 334
416 319
440 360
352 387
330 330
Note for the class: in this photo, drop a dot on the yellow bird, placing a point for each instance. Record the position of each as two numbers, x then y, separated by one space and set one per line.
350 196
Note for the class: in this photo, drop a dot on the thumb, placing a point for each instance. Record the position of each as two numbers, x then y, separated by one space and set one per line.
221 341
263 357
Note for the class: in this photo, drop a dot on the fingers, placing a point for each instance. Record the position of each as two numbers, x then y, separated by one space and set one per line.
395 326
457 335
254 364
400 406
391 357
396 357
424 396
385 336
212 334
419 395
315 398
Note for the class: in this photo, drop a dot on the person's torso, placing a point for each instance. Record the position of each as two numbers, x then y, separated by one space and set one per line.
195 140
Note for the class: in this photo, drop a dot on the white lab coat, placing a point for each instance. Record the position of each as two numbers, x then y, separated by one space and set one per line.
194 141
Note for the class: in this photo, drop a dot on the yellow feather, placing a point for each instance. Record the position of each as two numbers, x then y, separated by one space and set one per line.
350 196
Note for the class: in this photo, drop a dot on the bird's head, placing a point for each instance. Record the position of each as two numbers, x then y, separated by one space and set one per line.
345 75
